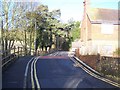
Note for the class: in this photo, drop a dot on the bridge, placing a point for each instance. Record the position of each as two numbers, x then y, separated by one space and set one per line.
60 69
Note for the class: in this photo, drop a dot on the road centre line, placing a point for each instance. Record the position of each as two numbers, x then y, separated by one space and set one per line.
26 72
35 74
32 79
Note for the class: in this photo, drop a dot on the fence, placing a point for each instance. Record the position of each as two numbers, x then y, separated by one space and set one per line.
14 53
9 56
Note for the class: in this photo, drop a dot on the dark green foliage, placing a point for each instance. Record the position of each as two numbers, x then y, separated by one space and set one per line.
75 32
44 27
66 44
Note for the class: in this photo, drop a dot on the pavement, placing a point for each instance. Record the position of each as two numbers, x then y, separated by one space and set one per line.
56 70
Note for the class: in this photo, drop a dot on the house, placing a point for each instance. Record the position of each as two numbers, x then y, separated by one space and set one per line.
75 45
99 30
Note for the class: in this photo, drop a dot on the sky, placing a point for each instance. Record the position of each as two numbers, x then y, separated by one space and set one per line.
74 8
69 8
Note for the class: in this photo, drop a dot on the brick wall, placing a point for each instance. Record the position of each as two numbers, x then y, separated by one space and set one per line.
91 60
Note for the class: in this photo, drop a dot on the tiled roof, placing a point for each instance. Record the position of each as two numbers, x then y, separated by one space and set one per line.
104 15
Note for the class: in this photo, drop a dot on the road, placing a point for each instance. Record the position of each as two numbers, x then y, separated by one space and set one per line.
56 70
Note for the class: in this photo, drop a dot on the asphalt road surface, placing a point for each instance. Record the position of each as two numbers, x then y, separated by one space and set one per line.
56 70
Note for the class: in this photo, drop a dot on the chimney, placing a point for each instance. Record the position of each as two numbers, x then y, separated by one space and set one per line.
86 4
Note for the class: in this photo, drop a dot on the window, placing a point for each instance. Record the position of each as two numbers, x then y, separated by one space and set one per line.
107 28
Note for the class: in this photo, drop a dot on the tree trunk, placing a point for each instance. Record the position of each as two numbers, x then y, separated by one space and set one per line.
2 32
50 39
25 43
45 48
6 44
42 47
6 33
30 42
12 44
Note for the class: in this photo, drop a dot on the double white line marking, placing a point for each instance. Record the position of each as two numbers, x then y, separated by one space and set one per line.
33 74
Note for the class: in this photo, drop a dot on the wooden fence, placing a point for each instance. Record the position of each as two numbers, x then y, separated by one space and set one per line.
9 56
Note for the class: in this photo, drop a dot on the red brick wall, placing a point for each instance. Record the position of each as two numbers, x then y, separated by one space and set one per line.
90 60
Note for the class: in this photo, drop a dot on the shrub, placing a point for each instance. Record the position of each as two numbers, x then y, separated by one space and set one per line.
109 67
117 52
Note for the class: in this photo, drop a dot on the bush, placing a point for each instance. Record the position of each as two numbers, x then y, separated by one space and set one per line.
109 67
117 52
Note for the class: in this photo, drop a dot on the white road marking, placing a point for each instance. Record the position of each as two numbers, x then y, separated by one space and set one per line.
26 72
35 74
96 76
72 83
32 78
